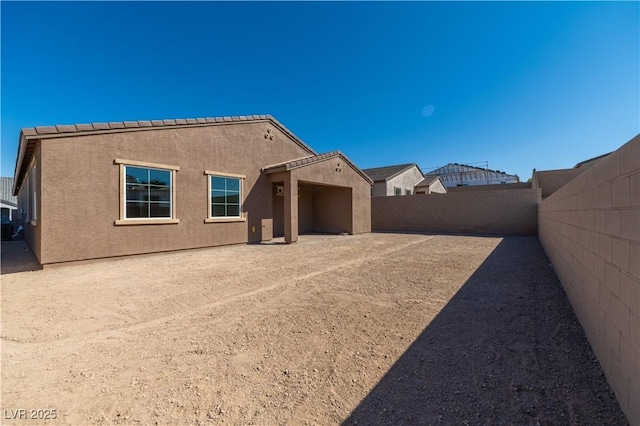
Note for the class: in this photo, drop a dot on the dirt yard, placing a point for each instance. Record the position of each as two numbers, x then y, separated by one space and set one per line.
367 329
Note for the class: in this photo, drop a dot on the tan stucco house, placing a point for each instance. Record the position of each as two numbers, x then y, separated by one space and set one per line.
431 185
399 179
98 190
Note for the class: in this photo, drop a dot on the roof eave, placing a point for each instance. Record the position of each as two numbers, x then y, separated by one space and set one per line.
22 147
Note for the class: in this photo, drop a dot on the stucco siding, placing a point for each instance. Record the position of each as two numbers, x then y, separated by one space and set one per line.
81 189
345 178
405 181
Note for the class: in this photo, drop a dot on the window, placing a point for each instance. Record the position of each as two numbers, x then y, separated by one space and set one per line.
407 192
225 197
397 191
147 193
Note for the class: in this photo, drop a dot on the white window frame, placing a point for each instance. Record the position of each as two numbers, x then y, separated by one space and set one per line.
397 191
217 219
123 220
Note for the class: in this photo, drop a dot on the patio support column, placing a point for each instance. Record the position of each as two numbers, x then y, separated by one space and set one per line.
290 208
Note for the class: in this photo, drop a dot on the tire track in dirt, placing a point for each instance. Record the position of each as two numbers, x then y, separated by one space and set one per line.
194 311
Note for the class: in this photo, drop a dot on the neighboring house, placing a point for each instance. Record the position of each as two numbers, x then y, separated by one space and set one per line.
431 185
394 180
454 174
8 202
552 180
111 189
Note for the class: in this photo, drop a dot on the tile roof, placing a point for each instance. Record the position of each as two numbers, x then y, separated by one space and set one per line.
115 125
306 161
428 180
590 161
45 132
387 172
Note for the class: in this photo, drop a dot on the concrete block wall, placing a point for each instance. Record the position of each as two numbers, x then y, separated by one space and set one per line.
490 212
590 229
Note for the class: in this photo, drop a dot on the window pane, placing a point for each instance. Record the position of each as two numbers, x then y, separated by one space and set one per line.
233 210
217 197
217 210
218 183
137 209
159 193
160 177
233 198
137 192
137 174
233 184
160 210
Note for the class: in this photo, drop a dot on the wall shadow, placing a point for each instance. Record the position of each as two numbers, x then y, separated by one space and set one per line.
16 256
506 349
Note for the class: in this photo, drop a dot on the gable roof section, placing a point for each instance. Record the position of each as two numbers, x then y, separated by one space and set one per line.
313 159
385 173
28 136
427 181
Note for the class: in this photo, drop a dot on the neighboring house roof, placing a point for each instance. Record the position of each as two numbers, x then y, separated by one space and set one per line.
590 161
457 168
427 181
378 174
6 191
306 161
25 150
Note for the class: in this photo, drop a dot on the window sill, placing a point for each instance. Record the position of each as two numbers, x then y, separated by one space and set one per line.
224 219
147 222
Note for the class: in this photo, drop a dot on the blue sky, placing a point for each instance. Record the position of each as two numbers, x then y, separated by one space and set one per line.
521 85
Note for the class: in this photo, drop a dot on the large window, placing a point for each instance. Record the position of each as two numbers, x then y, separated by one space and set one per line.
147 193
225 196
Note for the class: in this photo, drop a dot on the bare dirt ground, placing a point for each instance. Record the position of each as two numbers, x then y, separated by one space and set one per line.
366 329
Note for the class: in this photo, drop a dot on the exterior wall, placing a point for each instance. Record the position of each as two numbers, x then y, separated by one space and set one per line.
552 180
437 188
81 188
305 208
590 229
380 189
25 215
325 172
332 210
405 181
499 212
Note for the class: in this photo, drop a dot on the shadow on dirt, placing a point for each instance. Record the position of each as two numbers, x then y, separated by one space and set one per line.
506 349
16 256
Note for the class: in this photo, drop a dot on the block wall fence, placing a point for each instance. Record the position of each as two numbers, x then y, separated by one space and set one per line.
590 229
488 212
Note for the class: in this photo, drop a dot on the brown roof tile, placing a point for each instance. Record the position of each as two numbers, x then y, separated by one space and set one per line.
43 130
66 128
